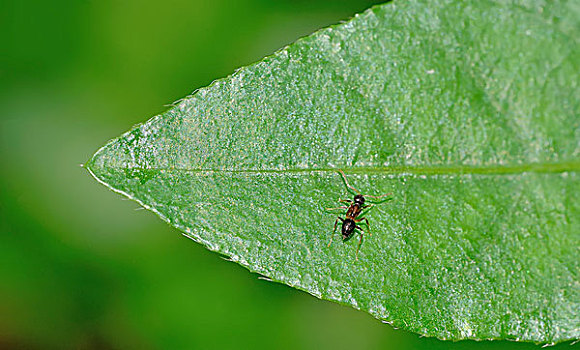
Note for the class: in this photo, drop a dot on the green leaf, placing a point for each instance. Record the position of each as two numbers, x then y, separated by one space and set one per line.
468 112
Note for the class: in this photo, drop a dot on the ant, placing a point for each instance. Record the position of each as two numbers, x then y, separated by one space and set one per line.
354 214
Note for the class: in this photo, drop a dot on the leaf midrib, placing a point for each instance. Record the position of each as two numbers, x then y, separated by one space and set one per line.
552 167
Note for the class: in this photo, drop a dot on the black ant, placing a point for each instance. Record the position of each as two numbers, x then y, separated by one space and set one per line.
353 211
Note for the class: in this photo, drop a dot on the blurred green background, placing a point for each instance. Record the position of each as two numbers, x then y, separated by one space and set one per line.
80 267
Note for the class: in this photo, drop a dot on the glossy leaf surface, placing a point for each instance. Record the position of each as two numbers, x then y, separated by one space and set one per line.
467 112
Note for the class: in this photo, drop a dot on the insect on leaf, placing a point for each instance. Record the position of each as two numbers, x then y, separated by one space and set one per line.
467 111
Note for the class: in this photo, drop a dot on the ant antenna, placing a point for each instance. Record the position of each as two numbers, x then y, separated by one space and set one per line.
379 197
366 196
346 182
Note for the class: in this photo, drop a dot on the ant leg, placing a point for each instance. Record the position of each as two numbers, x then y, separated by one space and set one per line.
343 207
345 201
360 241
333 232
365 210
346 182
366 223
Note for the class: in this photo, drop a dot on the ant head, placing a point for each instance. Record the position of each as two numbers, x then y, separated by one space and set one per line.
359 199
